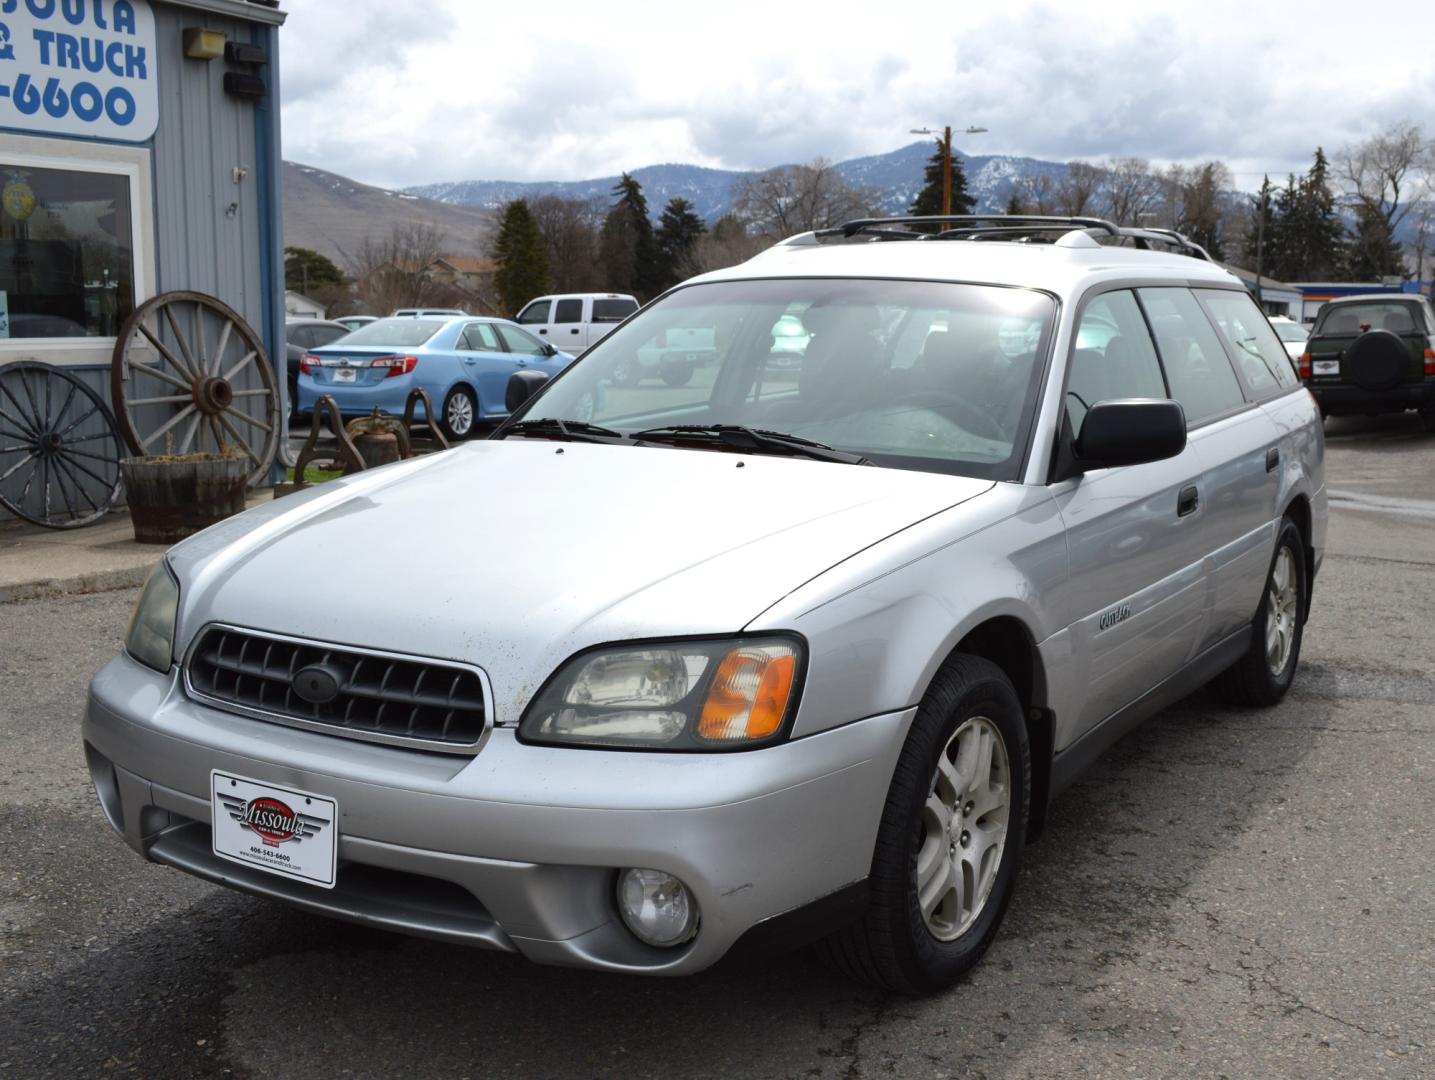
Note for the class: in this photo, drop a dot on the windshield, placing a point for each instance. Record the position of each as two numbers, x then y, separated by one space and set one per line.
1289 331
911 374
399 333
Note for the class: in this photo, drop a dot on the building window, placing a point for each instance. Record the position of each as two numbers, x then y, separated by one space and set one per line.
67 252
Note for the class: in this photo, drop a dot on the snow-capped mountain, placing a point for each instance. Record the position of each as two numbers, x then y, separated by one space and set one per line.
895 176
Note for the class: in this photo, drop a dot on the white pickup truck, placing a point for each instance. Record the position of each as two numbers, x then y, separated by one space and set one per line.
573 321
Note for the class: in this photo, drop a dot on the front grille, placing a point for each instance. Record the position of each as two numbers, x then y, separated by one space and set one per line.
381 697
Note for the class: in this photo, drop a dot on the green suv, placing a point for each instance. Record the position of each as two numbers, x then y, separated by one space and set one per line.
1373 354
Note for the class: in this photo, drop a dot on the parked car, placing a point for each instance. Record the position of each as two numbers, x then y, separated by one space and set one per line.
301 335
1292 334
1373 354
664 675
463 363
574 321
353 322
425 313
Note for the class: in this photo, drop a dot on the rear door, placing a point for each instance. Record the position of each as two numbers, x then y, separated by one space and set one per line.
567 330
486 364
1236 441
1135 534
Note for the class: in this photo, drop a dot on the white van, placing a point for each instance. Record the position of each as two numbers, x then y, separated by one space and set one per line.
573 321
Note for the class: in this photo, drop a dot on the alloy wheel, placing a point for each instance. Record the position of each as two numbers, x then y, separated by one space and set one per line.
460 414
1282 602
964 828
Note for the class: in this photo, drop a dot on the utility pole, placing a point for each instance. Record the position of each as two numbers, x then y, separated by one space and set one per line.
947 172
1261 245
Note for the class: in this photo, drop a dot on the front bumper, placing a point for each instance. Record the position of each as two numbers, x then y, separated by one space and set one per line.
518 847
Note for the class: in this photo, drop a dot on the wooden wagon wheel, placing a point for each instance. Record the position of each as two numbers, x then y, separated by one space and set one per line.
59 447
189 375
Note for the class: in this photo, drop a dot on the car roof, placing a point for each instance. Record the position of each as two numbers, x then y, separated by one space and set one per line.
1057 255
307 321
1367 298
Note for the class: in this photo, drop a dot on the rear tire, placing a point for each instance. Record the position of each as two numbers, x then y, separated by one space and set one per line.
925 927
628 372
459 414
1265 673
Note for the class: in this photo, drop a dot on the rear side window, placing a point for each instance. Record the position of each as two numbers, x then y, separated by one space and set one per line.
570 310
1257 349
479 337
613 310
1201 376
323 335
536 312
1113 357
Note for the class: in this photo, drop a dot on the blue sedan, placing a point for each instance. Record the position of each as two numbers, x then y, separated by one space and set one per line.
463 363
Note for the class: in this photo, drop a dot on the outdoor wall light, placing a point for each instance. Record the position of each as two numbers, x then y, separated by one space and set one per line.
202 44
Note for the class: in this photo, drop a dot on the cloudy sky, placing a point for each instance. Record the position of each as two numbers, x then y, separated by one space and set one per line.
405 93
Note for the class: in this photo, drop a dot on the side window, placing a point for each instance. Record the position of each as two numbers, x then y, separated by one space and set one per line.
324 335
1260 356
536 312
1201 376
566 311
613 311
518 342
303 336
1113 357
479 337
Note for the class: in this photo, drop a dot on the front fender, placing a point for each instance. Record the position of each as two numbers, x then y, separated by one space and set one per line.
880 624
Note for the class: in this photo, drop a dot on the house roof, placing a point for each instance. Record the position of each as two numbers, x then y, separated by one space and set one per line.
467 264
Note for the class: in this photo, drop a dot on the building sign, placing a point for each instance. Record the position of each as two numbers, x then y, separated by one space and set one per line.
79 67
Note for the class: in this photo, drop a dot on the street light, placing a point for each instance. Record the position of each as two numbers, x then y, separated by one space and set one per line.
947 161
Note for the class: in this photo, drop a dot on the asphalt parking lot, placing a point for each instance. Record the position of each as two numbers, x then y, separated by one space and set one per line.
1227 894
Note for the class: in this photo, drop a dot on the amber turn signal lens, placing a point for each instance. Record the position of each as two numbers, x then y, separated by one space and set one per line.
749 695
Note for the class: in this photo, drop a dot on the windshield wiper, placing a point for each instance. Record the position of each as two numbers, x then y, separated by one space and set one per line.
755 440
549 427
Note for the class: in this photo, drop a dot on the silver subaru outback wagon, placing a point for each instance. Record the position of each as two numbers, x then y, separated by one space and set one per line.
799 649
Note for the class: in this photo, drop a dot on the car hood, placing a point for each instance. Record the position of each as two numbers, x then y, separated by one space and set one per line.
514 554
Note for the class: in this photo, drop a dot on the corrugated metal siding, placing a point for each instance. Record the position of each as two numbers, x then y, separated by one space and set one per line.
204 134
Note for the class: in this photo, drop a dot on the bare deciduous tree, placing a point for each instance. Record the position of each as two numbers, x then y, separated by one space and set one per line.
798 198
1385 171
570 229
393 271
1131 192
726 244
1038 195
1077 191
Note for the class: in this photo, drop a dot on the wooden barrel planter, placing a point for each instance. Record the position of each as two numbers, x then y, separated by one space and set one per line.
172 497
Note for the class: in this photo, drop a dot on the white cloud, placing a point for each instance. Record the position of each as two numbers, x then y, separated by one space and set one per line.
403 94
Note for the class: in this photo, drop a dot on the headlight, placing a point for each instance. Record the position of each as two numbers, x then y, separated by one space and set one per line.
150 638
729 694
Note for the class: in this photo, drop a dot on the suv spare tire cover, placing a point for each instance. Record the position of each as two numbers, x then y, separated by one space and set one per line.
1378 359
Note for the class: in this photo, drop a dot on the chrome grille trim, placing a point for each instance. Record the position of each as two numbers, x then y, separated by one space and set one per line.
385 697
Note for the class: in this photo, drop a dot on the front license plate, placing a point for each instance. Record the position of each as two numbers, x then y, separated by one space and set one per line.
1325 367
291 833
345 374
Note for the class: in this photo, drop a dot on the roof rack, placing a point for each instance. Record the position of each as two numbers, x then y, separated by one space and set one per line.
974 222
1028 228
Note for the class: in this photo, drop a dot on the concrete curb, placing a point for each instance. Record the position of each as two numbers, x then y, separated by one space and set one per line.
102 581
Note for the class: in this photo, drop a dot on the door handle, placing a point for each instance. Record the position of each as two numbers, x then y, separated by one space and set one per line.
543 329
1187 501
1273 458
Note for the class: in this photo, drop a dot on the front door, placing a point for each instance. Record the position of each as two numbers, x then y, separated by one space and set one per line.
1135 534
568 330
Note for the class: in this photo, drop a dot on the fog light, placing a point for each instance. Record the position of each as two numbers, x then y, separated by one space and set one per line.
657 907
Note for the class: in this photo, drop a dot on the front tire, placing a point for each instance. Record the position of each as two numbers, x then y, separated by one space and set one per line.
951 838
1266 672
459 413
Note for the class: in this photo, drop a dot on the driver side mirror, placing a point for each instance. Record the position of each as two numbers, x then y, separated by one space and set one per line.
1130 431
550 350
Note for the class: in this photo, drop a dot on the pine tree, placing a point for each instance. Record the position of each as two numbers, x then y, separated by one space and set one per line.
1013 204
1260 233
629 248
929 199
523 271
678 230
306 269
1313 237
